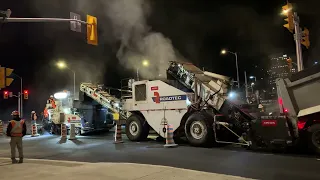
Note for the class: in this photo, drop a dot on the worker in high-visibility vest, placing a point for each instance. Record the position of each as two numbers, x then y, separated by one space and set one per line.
45 113
52 102
16 130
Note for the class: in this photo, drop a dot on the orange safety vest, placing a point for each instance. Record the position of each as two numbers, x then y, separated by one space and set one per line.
53 104
45 113
17 128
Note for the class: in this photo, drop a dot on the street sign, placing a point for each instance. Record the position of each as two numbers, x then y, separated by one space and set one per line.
75 26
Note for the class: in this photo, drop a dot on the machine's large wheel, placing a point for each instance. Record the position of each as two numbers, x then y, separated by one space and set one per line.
137 129
198 129
314 138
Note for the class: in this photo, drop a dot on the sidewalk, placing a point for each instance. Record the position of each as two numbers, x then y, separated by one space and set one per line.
52 170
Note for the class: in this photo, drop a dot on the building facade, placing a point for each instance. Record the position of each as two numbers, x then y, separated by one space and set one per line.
278 69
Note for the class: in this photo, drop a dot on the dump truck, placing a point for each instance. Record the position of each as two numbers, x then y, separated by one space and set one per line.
299 102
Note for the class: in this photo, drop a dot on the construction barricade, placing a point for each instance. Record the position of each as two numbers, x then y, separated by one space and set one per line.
169 138
63 131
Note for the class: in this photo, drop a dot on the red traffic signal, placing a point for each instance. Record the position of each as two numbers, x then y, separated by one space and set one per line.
25 94
5 94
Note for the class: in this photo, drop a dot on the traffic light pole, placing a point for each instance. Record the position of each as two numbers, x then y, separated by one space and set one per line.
19 104
297 38
20 99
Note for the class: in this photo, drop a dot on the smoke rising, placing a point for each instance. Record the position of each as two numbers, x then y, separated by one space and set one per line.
138 42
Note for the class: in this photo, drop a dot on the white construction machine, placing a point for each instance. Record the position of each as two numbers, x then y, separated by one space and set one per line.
57 115
192 102
195 102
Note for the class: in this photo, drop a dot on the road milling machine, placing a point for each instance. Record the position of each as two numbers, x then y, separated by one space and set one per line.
87 117
196 104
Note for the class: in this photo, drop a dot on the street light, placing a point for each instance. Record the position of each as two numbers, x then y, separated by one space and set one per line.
252 84
145 63
223 51
63 65
253 77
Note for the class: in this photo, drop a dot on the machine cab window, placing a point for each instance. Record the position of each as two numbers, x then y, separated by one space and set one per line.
140 92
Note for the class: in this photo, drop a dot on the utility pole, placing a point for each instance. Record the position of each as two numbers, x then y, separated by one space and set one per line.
19 104
246 85
297 38
238 79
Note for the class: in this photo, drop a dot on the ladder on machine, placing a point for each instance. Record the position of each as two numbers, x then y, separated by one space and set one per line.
104 98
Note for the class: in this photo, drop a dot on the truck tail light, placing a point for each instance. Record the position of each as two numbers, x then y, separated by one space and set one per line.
301 124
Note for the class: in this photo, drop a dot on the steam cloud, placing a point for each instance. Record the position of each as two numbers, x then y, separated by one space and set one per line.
138 42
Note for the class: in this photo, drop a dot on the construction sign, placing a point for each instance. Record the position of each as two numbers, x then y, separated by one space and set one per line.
5 80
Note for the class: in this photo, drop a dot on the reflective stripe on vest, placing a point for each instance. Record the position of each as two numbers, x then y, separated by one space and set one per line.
17 128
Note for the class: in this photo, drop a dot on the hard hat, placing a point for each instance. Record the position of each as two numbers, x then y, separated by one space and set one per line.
33 112
15 113
51 96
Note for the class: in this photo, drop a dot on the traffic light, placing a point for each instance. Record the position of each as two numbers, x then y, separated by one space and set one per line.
305 38
5 94
4 79
287 11
92 30
25 94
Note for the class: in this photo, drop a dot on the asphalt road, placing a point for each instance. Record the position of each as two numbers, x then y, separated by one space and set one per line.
227 160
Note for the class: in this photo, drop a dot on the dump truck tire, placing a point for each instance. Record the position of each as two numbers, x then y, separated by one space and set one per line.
314 138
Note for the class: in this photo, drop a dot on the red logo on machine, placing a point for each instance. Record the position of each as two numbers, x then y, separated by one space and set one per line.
154 88
156 97
269 123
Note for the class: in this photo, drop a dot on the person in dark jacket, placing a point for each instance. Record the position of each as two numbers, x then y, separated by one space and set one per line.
16 130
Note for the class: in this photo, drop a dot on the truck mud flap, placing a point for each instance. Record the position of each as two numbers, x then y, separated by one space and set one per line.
270 132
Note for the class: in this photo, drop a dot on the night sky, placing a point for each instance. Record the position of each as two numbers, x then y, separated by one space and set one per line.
198 29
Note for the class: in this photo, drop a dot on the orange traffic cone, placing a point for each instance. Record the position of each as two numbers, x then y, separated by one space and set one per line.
169 138
34 132
117 134
63 131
